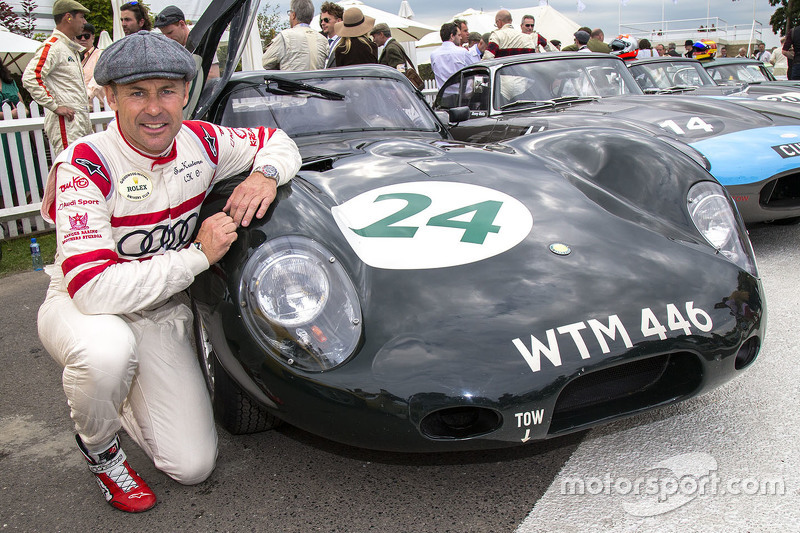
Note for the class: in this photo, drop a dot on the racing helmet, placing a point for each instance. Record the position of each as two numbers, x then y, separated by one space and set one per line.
704 49
625 47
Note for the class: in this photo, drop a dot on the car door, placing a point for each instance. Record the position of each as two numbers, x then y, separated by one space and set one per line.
472 89
204 40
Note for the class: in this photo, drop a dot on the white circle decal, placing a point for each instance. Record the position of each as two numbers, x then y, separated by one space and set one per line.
135 186
793 97
431 224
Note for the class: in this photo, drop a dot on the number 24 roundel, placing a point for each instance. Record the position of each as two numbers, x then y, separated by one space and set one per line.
431 224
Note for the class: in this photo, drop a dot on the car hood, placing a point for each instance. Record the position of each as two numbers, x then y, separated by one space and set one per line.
719 114
607 203
715 127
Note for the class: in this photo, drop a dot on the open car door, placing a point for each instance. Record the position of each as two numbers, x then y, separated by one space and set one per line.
203 42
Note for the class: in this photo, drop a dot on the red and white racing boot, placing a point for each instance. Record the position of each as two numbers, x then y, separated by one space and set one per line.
121 485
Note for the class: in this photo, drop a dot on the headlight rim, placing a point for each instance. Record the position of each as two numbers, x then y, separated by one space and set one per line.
282 341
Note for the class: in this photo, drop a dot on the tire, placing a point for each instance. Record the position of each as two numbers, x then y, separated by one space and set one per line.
233 408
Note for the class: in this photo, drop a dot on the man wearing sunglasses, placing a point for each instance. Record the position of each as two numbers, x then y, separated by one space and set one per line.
329 14
54 78
506 40
528 22
89 58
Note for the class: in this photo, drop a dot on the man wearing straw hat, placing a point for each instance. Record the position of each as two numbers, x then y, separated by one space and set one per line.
298 47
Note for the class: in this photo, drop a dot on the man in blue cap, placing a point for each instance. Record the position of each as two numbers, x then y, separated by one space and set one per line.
126 203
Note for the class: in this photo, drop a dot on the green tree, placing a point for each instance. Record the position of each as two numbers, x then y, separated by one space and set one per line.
780 22
27 22
8 19
269 24
101 15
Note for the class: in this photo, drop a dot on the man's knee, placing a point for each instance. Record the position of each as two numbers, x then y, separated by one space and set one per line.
192 468
110 353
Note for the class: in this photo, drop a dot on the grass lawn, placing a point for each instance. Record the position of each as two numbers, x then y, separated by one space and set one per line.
17 253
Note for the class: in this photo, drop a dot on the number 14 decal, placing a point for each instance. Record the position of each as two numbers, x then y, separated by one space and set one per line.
475 229
695 123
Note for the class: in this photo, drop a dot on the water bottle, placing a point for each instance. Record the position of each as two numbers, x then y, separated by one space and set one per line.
36 255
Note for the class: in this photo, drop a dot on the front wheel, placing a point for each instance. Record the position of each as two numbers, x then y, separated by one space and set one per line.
234 409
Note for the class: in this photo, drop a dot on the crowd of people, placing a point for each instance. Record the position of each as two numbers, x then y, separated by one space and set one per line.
348 37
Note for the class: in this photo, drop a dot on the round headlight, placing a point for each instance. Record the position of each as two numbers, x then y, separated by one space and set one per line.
292 289
713 215
299 303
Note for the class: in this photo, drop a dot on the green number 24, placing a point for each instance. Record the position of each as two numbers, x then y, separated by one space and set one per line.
475 230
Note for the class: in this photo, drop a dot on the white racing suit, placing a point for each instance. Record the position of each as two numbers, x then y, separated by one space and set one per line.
54 77
124 224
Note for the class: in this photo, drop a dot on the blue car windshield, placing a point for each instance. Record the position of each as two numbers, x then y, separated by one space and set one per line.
328 105
554 79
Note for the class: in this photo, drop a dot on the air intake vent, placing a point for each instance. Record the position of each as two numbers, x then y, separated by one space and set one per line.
625 388
783 192
460 423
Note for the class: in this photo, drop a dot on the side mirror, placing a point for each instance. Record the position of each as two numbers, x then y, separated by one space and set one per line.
458 114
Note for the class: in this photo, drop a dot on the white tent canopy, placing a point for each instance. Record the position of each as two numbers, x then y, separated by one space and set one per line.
16 51
403 29
549 22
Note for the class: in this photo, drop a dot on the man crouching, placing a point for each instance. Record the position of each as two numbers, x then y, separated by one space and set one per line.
126 203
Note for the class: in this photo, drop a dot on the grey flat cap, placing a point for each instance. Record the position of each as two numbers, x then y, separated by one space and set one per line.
380 28
580 35
169 15
144 55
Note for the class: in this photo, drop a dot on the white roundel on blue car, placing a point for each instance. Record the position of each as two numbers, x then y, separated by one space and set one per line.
431 224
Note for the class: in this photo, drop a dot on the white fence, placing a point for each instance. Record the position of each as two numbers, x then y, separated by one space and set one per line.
430 90
25 160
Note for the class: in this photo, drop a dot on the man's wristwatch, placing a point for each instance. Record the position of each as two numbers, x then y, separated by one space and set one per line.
269 171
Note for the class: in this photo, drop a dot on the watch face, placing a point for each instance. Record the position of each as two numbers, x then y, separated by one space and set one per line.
268 170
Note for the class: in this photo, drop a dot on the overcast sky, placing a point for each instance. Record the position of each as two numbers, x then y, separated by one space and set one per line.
605 14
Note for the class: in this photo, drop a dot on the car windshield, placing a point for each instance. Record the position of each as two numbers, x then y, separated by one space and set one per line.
670 75
552 80
730 74
328 105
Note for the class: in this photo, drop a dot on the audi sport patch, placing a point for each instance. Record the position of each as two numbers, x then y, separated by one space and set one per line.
135 186
431 224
